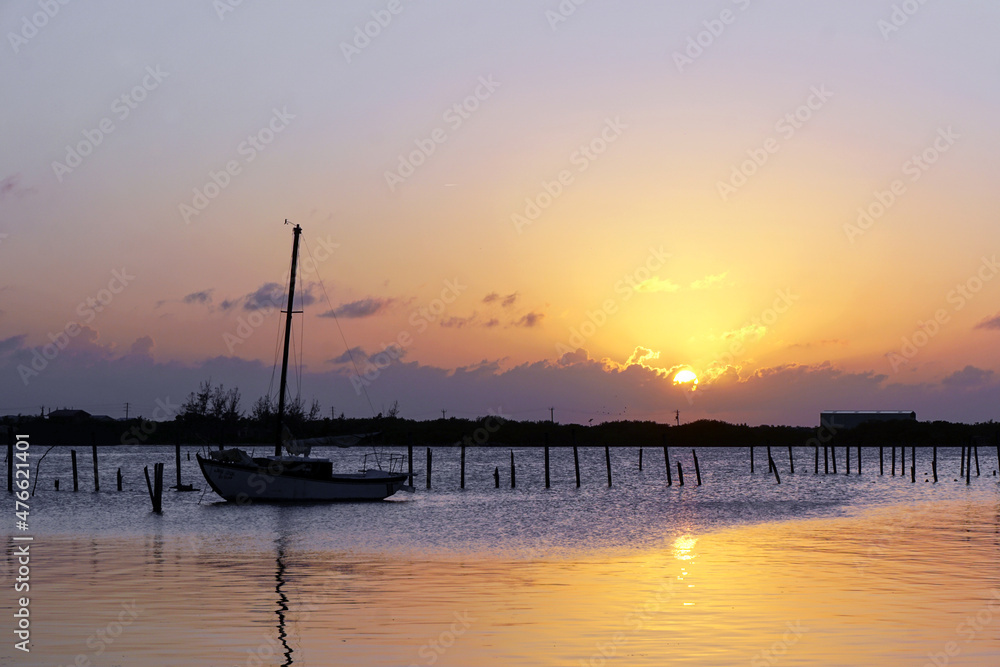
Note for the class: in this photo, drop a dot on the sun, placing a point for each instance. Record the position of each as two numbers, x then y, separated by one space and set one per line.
686 376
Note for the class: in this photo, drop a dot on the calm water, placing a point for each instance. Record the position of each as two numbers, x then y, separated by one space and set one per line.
815 571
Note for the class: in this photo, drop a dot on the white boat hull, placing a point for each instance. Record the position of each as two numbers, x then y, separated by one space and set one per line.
243 483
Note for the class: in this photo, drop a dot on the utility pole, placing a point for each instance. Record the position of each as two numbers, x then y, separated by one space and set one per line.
552 415
126 410
677 416
443 413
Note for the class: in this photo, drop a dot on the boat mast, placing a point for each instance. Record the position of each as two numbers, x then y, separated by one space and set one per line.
288 331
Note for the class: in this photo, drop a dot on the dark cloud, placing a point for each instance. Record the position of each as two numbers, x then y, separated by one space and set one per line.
530 320
143 345
458 322
353 354
272 295
8 345
491 297
361 308
204 296
509 300
990 323
970 376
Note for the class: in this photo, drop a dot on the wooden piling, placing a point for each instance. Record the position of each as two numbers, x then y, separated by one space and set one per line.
975 453
607 460
576 464
791 461
774 468
76 480
770 462
902 460
496 477
57 485
968 465
894 460
177 460
409 460
961 466
833 457
697 470
859 459
155 491
430 461
640 459
666 462
847 461
816 467
680 474
913 464
826 460
934 464
93 451
513 472
462 478
881 460
751 459
119 479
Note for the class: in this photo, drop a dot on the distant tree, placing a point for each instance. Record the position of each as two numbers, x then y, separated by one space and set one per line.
197 404
262 410
393 410
314 411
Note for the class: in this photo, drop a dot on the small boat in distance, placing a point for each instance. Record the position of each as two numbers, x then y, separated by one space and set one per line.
294 476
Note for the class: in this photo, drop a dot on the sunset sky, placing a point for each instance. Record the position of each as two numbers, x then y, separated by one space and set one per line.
531 204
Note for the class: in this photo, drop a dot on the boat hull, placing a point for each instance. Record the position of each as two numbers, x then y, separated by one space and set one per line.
242 483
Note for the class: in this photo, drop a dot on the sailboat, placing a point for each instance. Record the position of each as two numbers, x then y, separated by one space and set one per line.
294 476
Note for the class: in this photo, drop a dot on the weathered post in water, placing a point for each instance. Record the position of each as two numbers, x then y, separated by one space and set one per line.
640 459
607 460
76 481
902 460
697 470
409 459
968 465
155 492
913 464
859 459
430 460
666 462
462 478
177 460
680 475
774 468
770 463
934 464
496 477
816 467
791 461
961 467
513 474
894 460
826 460
847 461
119 479
93 450
833 457
751 459
975 453
881 460
576 464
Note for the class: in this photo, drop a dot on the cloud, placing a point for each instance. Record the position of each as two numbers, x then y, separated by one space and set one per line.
353 354
492 322
272 295
656 284
709 282
361 308
8 345
204 296
746 332
505 301
532 319
831 342
491 297
143 345
459 322
509 300
990 323
11 187
970 376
